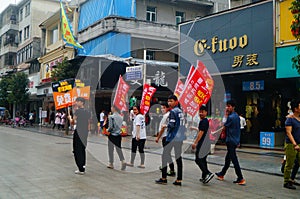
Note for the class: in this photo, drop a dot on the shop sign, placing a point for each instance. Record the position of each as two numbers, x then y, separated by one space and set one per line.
238 40
254 85
66 91
267 139
134 73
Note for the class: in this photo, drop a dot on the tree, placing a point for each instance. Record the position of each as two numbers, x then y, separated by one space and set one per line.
64 70
3 91
17 88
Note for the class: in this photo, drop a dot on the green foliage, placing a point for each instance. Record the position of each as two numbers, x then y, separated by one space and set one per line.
64 70
14 89
3 91
295 29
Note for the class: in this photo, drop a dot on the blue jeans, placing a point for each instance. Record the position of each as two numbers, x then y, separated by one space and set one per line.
232 157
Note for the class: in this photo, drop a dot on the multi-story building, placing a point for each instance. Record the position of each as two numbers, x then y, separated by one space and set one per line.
8 39
54 51
141 29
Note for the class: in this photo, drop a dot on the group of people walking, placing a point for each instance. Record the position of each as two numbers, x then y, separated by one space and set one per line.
172 132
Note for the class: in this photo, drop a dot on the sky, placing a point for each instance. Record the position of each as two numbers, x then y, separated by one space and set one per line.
5 3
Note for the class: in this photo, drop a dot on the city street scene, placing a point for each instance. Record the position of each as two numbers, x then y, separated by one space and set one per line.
149 98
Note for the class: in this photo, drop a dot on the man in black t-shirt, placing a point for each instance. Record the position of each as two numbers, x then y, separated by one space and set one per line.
202 145
81 121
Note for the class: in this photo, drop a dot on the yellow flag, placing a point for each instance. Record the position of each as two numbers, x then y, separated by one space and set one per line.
67 33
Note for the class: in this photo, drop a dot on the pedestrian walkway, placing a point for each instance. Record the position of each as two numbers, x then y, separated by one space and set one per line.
36 165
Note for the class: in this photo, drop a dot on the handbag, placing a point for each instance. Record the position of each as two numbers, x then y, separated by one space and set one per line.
223 134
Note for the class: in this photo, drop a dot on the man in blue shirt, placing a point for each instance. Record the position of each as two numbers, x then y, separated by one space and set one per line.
174 139
233 132
292 143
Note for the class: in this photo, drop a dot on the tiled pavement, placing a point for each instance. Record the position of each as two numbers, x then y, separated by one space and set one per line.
36 165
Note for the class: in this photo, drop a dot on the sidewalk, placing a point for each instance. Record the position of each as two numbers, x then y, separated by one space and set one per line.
260 160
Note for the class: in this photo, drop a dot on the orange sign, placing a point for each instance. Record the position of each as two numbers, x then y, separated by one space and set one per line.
63 100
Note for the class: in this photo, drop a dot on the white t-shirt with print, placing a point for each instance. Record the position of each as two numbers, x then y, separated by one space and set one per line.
139 120
164 121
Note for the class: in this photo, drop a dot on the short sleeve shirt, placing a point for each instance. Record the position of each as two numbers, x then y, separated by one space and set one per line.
295 124
82 121
139 120
203 126
233 131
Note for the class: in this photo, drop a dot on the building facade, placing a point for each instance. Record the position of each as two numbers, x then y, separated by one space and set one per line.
239 51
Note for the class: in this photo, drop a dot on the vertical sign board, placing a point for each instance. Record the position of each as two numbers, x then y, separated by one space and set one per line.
267 139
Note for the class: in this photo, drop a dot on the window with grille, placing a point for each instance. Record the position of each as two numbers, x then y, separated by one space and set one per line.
151 13
179 17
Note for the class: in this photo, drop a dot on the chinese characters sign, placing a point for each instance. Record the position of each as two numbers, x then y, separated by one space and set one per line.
197 90
236 41
65 92
148 92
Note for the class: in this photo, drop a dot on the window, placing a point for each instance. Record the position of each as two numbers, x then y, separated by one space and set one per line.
53 35
20 36
21 14
179 17
151 13
26 32
27 9
150 55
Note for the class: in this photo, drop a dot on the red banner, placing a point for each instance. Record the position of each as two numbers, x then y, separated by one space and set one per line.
148 92
120 96
207 77
179 88
197 89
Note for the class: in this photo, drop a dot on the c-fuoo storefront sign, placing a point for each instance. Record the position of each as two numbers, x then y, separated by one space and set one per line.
233 41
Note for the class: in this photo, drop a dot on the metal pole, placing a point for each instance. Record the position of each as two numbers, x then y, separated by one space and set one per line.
145 66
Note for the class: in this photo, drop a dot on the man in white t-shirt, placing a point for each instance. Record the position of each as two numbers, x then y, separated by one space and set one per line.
243 124
102 119
163 133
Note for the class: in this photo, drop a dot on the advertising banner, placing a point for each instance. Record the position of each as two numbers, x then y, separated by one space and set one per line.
121 94
148 92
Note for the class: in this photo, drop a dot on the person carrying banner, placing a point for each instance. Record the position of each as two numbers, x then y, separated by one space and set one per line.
202 145
81 120
115 138
174 139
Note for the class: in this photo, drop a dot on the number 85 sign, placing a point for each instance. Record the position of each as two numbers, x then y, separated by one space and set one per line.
267 139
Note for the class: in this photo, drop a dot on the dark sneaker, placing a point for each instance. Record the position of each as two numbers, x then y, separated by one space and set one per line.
240 181
171 173
295 183
219 176
177 183
289 185
208 178
161 181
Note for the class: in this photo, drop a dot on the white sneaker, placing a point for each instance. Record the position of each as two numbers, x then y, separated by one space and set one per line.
110 166
79 172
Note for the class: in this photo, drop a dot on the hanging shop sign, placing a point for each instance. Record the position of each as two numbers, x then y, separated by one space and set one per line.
233 41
